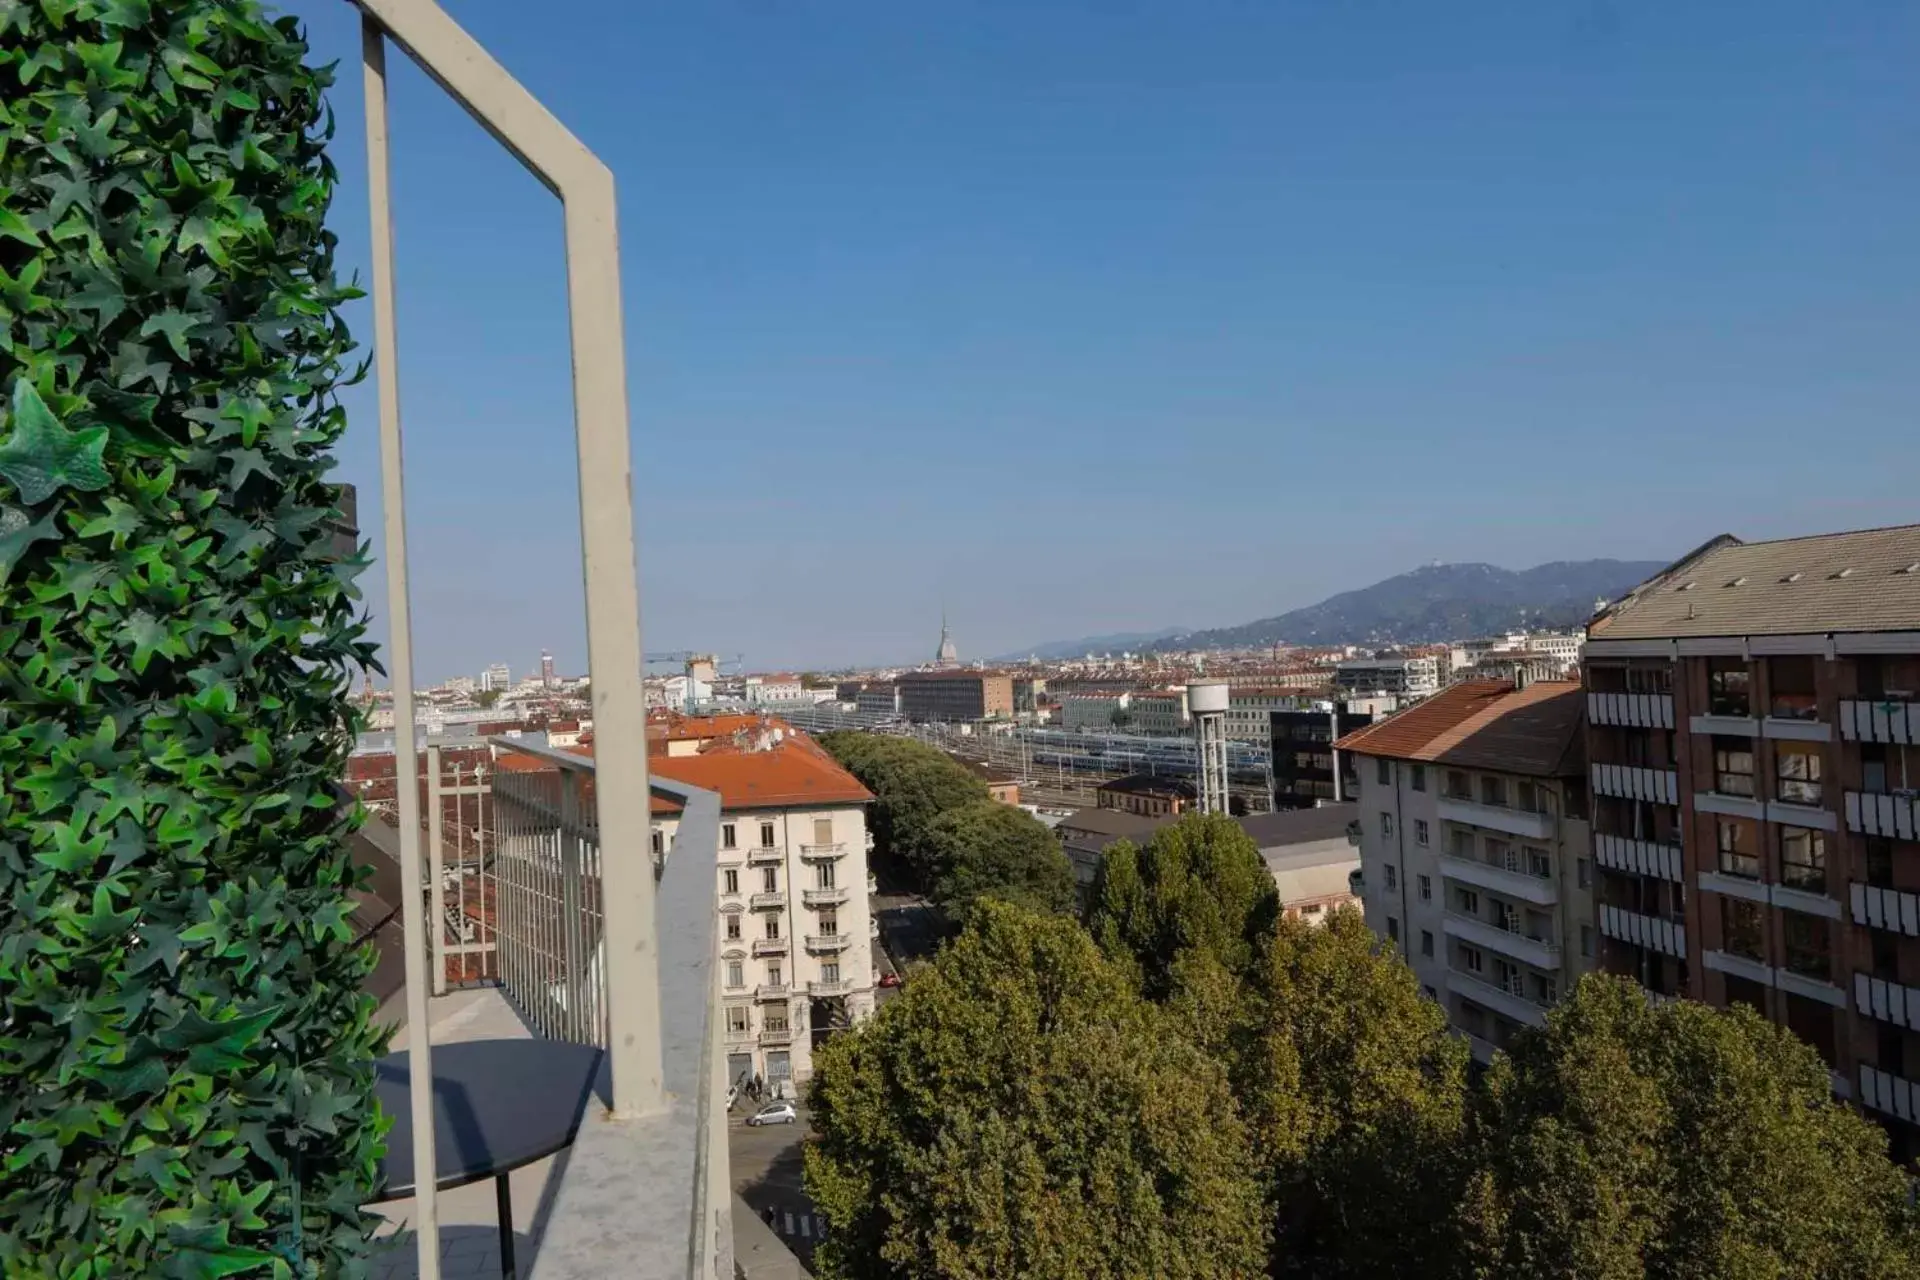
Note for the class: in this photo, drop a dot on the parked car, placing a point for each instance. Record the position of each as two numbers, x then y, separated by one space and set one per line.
774 1113
889 979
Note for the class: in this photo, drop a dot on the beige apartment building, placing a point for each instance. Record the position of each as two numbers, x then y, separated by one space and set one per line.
1474 849
1754 712
796 933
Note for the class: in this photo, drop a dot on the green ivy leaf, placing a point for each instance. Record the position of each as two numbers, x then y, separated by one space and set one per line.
15 227
41 455
176 325
17 533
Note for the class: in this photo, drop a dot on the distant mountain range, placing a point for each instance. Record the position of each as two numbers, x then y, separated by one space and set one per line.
1436 602
1118 642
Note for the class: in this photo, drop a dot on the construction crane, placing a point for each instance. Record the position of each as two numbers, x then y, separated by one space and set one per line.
694 665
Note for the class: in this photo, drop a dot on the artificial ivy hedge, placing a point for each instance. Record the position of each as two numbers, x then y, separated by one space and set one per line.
185 1052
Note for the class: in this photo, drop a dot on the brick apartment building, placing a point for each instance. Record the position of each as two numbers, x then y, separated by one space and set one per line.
1752 720
932 696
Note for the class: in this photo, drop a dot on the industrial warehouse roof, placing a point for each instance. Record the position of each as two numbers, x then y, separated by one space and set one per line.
1486 724
1867 580
1299 826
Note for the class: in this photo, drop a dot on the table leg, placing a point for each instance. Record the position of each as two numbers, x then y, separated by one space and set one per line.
503 1206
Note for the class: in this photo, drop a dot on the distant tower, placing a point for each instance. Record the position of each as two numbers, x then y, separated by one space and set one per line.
546 669
948 656
1207 704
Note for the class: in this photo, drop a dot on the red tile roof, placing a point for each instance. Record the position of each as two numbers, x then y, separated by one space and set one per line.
1486 724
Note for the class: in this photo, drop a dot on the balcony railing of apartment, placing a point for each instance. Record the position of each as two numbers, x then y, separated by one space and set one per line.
1891 909
1508 997
1888 1001
592 937
1631 710
823 852
1506 936
1530 823
1641 857
1669 937
769 991
828 943
839 987
829 897
776 1035
768 900
766 855
1888 720
770 946
1889 1094
1509 875
1896 815
1632 782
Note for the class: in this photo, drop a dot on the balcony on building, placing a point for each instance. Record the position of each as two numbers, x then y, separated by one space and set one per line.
1889 1094
838 987
1887 1001
823 852
1639 857
828 897
770 946
1509 999
1668 937
1527 823
768 900
1633 782
1879 907
1506 937
1507 874
1631 710
766 855
1892 721
827 944
1892 814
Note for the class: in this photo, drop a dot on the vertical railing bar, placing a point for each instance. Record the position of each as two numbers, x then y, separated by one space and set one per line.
373 56
436 866
569 907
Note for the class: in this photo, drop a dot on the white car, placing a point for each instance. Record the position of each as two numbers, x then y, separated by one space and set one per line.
774 1113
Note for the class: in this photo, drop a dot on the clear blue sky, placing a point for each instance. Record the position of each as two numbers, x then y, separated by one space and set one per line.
1091 317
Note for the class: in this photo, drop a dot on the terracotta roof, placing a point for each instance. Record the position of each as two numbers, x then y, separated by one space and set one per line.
795 772
1867 580
674 727
1486 724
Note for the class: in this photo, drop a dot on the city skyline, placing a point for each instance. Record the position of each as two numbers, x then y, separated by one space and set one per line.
1025 312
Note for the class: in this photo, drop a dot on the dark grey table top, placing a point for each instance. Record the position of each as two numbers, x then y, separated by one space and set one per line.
497 1104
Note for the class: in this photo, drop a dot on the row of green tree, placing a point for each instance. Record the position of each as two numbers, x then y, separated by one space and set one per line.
935 827
1189 1085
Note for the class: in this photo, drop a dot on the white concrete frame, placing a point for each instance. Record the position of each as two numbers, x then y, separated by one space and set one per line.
585 187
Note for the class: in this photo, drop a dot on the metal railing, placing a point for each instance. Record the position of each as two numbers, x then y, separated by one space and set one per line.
549 895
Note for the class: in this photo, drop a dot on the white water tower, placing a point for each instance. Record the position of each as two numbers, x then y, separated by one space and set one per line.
1207 704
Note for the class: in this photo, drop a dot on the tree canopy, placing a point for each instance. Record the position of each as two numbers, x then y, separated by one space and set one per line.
1021 1111
1199 883
912 785
991 849
1679 1142
1355 1094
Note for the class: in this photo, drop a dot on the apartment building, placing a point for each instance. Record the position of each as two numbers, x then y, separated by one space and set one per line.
878 700
1250 708
1146 795
1474 849
1162 712
774 690
947 695
1304 770
1413 676
1753 721
795 938
1095 712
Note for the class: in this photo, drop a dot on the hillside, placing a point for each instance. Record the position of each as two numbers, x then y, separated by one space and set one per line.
1440 602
